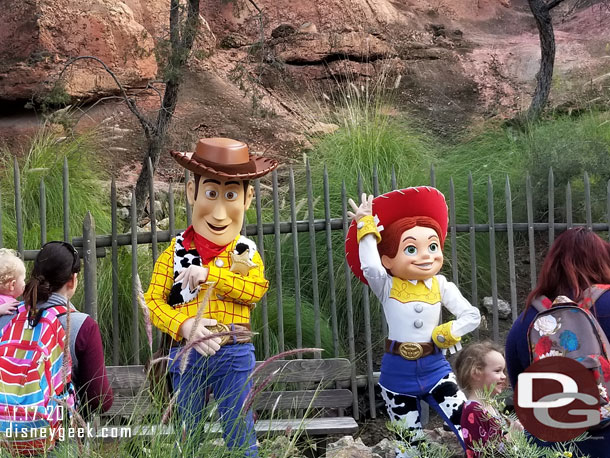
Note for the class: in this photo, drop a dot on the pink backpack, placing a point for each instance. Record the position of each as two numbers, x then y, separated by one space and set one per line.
566 328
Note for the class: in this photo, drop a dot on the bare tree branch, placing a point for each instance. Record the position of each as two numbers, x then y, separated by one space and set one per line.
174 24
183 29
150 86
262 39
90 107
149 129
553 3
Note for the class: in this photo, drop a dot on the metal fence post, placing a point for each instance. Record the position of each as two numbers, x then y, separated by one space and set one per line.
90 264
66 199
115 276
18 212
135 325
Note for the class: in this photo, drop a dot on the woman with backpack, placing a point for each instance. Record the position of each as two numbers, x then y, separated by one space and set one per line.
53 282
577 266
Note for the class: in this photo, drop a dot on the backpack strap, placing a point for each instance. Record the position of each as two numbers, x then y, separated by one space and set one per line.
76 321
54 311
591 295
542 303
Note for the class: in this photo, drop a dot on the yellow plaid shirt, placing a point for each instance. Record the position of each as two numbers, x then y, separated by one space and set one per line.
235 294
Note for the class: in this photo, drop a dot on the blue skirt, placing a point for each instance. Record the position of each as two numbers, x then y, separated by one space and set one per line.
415 378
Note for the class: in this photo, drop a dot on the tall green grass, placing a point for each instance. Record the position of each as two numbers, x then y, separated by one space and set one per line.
43 160
88 191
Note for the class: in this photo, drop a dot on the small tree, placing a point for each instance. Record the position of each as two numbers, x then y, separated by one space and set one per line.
182 33
541 9
183 28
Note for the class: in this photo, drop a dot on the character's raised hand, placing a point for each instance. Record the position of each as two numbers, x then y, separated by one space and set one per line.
364 209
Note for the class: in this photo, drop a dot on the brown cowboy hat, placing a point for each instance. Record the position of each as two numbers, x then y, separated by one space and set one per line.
225 157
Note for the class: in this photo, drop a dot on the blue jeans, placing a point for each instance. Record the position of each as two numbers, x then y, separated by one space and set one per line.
226 374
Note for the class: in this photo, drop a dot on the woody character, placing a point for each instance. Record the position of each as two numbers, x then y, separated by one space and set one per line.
394 245
211 253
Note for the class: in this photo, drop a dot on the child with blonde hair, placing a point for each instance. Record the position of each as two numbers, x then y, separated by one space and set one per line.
480 371
12 280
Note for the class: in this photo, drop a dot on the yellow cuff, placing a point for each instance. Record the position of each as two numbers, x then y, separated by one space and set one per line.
442 336
366 225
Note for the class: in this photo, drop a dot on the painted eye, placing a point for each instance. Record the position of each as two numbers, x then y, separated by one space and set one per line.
230 195
411 250
211 194
433 248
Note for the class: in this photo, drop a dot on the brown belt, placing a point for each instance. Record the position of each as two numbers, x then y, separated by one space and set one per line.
409 350
236 339
226 339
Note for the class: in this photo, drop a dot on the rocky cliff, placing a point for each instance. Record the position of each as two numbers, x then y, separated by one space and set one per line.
454 60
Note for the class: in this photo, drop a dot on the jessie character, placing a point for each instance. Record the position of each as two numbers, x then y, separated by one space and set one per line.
394 245
211 254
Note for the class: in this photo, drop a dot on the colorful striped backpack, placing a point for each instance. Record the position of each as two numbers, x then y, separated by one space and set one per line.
36 393
566 328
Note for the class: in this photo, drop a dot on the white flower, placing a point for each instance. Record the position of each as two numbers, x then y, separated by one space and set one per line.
605 411
547 325
551 353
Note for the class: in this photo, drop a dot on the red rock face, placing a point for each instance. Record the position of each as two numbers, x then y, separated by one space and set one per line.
451 60
38 37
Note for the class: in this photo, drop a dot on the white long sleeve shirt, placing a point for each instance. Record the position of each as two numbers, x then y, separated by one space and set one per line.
412 308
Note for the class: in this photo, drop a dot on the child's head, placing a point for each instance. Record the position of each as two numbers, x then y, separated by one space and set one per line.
480 366
55 267
12 273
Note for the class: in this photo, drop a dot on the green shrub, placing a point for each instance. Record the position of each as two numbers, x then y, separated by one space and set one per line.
44 160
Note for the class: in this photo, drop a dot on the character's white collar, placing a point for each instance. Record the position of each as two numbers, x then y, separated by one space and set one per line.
427 282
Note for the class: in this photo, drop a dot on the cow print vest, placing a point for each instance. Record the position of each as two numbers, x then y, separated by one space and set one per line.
184 258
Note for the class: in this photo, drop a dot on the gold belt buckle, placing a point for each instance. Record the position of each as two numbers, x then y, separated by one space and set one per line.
410 350
221 327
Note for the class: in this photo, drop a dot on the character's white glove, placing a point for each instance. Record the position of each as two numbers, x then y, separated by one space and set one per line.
207 347
193 276
453 349
362 210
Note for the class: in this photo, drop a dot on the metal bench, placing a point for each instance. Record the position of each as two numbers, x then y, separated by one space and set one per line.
308 401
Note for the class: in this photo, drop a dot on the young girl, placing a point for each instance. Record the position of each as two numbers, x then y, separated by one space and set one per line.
12 280
480 371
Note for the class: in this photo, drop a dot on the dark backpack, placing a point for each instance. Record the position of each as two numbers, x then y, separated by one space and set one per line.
566 328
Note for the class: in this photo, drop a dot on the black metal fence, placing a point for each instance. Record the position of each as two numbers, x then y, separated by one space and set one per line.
359 347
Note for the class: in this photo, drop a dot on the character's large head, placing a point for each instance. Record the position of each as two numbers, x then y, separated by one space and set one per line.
220 190
414 224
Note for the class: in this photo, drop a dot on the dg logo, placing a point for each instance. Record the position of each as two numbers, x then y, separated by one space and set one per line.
557 399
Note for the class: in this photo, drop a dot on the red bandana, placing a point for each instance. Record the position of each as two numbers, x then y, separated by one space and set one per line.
206 249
